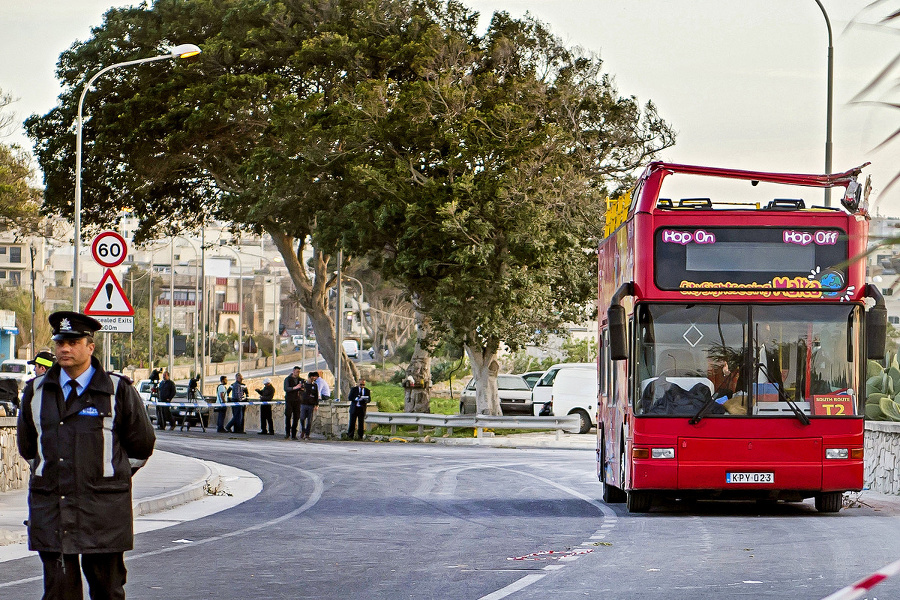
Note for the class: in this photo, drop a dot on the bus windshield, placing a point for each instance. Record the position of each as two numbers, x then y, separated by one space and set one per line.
740 360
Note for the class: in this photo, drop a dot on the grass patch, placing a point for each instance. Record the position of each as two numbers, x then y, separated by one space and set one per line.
390 398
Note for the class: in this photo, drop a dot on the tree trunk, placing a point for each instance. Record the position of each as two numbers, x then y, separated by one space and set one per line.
312 296
485 367
417 386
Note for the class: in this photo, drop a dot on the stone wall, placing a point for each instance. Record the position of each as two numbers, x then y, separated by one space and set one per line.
14 471
882 471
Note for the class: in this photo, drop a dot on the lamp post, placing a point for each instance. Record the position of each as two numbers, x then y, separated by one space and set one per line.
240 305
180 51
360 306
829 101
172 303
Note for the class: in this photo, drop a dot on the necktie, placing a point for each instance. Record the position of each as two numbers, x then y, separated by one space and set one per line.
73 391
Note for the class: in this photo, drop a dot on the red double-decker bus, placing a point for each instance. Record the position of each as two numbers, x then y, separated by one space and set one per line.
733 341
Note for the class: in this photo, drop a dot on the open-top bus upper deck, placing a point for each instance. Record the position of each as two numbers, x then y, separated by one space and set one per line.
700 247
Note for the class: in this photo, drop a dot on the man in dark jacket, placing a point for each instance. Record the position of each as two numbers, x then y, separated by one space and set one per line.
266 394
166 394
309 403
359 398
293 394
84 432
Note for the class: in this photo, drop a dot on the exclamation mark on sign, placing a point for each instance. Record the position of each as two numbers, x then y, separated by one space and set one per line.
109 290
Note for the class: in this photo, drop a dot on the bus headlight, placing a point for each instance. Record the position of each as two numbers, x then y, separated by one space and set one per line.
836 453
662 453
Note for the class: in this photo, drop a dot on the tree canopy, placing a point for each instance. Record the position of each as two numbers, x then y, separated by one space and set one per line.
483 185
19 198
471 168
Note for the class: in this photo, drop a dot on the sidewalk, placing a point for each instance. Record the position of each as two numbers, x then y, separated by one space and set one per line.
540 439
166 481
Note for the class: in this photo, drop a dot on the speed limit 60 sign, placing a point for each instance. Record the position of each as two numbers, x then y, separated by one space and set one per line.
109 249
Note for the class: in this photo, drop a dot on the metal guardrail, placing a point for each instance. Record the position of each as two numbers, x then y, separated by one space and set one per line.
571 423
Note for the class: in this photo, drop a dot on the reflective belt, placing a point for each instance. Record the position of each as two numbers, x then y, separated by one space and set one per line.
36 401
108 465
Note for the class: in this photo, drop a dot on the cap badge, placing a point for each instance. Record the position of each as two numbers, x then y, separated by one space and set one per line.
64 325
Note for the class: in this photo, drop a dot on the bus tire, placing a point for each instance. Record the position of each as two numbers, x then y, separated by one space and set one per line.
829 502
638 501
585 425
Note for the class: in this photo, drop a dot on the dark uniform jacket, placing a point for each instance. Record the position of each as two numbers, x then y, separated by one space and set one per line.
290 394
166 390
266 393
82 457
310 396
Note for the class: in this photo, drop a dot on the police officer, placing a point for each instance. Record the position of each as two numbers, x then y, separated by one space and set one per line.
94 434
42 362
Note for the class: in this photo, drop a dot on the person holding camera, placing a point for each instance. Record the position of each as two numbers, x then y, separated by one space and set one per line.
309 402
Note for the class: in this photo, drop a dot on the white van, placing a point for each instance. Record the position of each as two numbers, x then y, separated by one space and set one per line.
575 393
542 391
351 348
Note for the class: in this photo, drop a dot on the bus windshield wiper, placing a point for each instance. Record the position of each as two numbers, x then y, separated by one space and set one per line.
783 397
700 413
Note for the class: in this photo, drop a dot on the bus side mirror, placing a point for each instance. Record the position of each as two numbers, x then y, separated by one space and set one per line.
618 332
876 324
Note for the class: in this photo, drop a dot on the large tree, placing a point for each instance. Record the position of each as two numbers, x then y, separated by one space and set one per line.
251 131
482 189
19 198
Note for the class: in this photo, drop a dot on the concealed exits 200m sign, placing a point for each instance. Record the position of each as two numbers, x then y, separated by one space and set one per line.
109 249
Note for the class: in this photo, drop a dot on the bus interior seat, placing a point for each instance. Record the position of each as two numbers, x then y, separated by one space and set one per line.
654 388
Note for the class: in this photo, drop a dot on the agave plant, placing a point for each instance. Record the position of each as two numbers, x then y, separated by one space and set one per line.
883 390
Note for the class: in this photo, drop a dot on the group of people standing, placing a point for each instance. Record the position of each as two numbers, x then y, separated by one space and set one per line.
236 392
165 392
301 400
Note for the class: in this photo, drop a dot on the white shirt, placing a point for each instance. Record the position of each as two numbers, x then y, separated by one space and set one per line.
324 390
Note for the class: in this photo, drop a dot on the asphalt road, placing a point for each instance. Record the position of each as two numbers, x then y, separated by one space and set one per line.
379 521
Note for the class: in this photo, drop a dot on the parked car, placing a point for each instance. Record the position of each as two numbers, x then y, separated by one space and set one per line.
17 369
515 396
532 377
144 389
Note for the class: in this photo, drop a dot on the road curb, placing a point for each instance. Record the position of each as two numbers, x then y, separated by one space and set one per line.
188 493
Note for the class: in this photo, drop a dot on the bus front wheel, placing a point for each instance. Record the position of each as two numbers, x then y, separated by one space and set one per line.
829 502
638 501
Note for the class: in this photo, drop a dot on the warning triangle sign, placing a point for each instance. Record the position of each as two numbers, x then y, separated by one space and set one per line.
109 299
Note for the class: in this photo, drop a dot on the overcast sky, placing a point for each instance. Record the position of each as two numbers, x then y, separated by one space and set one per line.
743 83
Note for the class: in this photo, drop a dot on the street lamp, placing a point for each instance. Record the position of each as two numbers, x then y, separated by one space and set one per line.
240 305
829 102
360 306
172 303
180 51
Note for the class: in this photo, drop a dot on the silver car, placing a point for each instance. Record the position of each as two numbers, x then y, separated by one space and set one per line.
514 392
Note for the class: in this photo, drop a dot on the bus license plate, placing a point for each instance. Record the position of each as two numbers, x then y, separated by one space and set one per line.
750 478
